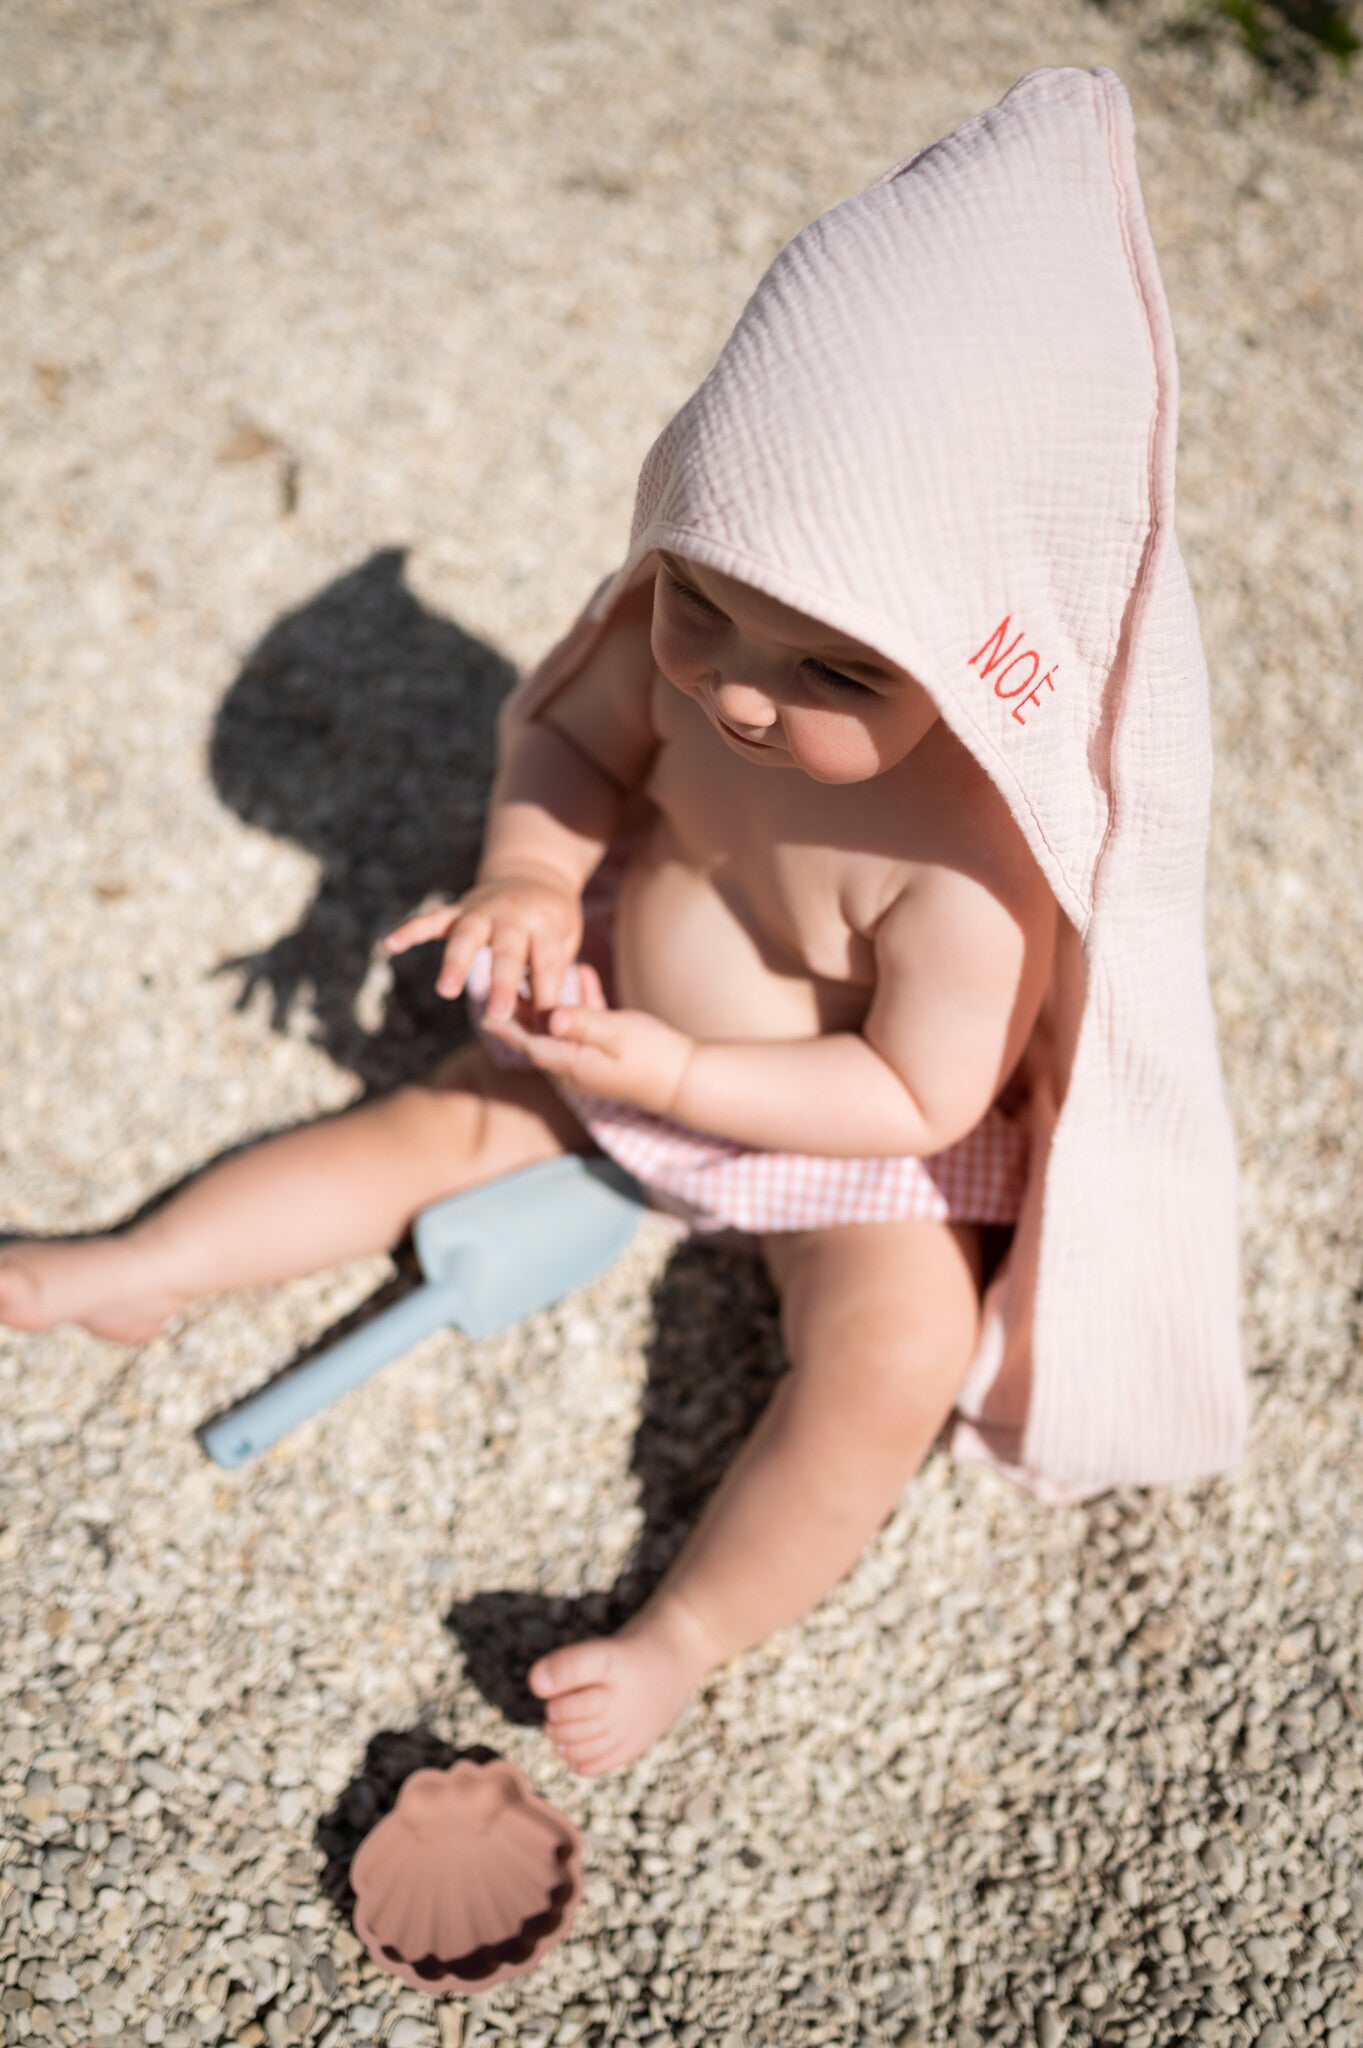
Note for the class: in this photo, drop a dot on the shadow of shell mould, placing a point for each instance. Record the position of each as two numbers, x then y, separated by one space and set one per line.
468 1881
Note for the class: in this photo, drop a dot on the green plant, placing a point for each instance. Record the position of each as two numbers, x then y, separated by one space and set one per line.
1286 35
1288 40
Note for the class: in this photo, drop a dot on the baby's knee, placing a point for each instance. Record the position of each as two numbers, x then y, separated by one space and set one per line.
460 1072
879 1358
902 1299
862 1439
448 1109
892 1395
497 1118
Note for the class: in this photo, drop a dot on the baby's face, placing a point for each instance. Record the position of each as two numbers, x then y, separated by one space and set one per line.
780 689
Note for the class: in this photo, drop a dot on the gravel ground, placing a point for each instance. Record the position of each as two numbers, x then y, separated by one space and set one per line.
330 341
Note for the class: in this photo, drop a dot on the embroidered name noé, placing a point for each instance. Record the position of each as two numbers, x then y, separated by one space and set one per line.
1028 682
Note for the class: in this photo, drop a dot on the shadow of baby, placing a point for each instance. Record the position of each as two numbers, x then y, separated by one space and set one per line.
362 728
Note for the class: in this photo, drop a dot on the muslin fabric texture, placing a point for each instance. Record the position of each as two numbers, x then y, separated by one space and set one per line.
945 425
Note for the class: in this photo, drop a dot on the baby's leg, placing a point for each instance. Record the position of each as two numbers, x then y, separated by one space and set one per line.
314 1197
880 1323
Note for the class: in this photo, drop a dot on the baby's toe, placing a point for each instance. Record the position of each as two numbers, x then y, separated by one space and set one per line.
593 1767
562 1671
20 1298
581 1710
589 1755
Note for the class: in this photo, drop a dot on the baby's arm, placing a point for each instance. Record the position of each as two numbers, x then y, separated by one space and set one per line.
560 791
961 968
962 963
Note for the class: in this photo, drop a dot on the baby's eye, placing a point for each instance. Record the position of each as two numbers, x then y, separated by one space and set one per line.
834 679
692 597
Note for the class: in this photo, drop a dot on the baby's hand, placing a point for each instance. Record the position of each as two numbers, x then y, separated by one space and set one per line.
626 1055
530 923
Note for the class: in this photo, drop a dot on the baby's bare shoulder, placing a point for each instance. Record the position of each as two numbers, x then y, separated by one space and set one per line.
958 831
604 708
964 949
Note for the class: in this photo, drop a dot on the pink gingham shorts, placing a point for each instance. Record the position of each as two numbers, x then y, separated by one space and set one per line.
714 1184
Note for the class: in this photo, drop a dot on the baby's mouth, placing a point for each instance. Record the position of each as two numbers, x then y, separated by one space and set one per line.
731 733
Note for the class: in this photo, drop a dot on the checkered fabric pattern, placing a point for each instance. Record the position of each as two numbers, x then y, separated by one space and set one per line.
716 1185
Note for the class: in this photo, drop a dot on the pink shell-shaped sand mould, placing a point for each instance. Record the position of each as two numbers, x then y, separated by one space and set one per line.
468 1881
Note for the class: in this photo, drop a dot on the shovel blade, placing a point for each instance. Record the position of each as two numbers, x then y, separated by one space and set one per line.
516 1244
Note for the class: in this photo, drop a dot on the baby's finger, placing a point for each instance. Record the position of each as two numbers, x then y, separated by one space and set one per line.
593 1070
591 995
548 960
468 935
546 1053
587 1027
421 929
508 965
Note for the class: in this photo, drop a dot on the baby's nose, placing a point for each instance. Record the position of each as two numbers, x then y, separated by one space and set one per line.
744 703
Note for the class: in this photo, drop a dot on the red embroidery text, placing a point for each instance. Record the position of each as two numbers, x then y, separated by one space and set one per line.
1018 666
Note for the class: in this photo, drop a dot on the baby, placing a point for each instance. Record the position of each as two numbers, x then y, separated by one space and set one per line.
833 927
830 940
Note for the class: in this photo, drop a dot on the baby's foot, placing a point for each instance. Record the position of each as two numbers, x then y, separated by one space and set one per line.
97 1281
609 1698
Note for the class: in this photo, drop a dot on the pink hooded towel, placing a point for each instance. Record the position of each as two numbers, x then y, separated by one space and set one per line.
945 425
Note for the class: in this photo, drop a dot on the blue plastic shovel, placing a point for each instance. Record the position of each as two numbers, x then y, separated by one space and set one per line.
489 1256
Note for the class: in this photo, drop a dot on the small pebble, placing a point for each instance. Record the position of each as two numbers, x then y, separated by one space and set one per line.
58 1987
408 2033
159 1776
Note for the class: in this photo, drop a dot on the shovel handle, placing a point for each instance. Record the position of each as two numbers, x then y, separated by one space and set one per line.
259 1421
